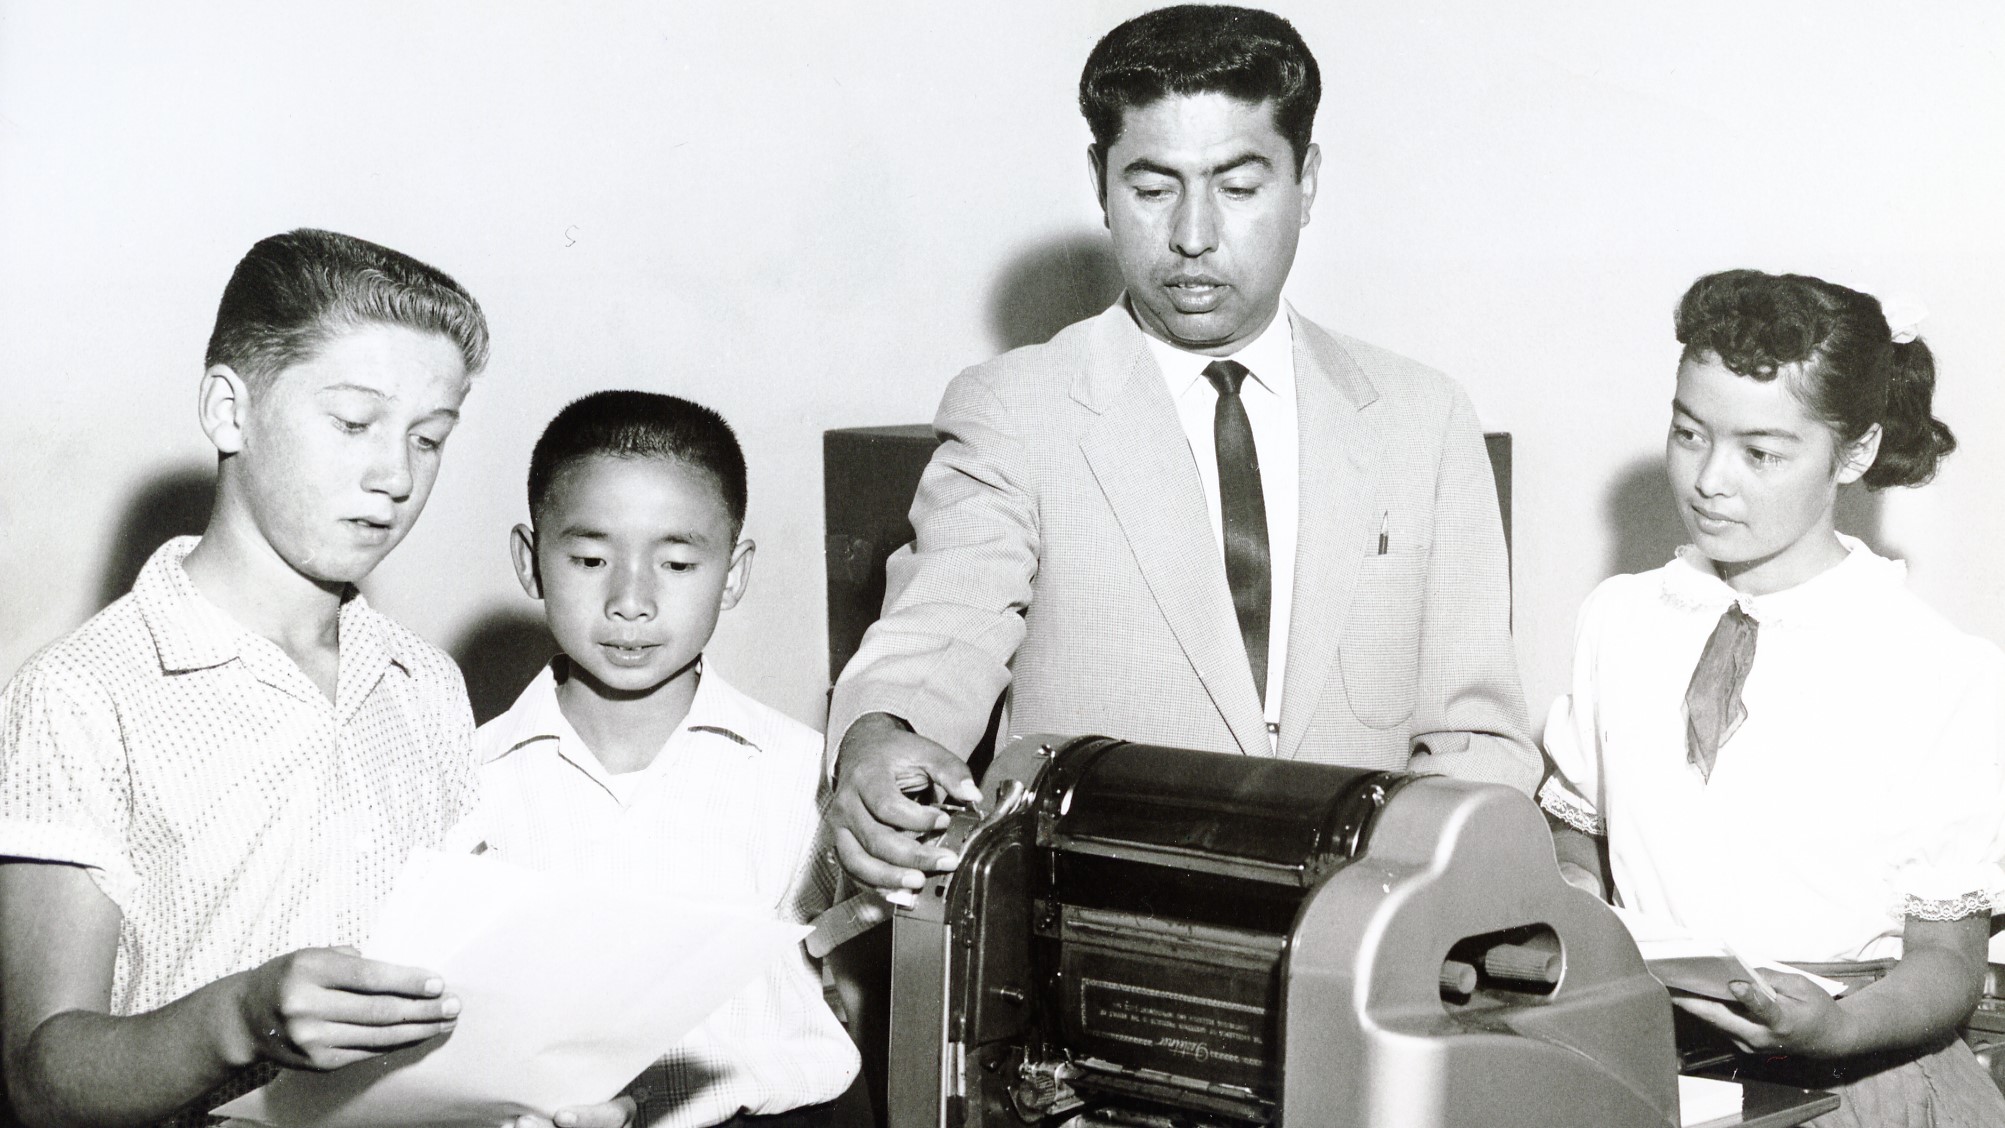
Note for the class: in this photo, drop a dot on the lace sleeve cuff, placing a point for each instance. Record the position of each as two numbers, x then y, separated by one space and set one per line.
1571 809
1952 891
1954 908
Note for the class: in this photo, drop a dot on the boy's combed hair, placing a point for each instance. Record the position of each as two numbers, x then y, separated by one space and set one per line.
1853 373
291 292
1188 49
628 424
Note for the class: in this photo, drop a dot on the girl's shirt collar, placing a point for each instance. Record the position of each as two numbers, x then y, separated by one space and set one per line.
1690 582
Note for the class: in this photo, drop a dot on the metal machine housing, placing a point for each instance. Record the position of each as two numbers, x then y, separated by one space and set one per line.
1155 936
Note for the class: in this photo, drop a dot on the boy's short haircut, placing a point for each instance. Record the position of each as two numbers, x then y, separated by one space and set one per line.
293 291
627 424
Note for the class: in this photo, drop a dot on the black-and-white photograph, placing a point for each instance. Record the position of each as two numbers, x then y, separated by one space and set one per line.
1063 564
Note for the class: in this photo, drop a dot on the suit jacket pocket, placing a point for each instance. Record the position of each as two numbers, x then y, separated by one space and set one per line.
1379 653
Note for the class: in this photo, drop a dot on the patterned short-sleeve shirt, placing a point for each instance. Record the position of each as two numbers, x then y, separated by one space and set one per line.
214 793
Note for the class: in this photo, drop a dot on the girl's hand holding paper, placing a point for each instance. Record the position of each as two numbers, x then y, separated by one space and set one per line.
1797 1016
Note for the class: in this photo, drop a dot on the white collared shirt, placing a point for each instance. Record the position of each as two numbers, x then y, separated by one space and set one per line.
1866 784
1269 397
726 811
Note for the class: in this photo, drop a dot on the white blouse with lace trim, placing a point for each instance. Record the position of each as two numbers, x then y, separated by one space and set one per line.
1865 785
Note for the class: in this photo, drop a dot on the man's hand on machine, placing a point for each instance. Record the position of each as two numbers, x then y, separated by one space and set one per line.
885 778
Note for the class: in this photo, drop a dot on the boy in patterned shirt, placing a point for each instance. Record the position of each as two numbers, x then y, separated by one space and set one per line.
631 757
207 788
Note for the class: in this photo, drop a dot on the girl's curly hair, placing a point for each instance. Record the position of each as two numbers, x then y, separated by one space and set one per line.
1851 372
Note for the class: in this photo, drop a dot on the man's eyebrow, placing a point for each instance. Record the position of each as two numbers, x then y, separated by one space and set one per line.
1678 406
1145 165
1243 160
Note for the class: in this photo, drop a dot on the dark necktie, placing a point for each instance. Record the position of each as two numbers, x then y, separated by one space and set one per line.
1242 515
1713 705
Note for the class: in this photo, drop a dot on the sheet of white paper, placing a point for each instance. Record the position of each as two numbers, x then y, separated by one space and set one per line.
568 989
1701 1099
1659 939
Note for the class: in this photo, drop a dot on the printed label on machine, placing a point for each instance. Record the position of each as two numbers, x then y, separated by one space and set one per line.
1179 1017
1188 1026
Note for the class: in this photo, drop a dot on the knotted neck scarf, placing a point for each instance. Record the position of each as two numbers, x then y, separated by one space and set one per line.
1713 705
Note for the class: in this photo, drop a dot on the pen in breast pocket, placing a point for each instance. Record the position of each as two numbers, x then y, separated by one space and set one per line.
1384 527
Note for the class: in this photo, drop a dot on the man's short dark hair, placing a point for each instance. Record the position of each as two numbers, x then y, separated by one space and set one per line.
1188 49
293 291
625 424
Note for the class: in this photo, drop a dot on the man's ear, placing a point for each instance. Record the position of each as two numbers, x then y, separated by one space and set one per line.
739 577
223 404
1312 168
1099 174
1858 456
522 551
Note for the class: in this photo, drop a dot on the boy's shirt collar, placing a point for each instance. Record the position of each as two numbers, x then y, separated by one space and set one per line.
716 709
190 633
536 717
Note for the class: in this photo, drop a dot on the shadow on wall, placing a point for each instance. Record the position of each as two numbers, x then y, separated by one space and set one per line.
1063 279
1859 514
499 654
172 503
1644 518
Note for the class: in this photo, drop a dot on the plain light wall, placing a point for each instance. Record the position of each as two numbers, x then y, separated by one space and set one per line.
811 216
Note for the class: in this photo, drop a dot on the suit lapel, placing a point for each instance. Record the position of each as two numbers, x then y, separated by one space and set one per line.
1142 462
1336 524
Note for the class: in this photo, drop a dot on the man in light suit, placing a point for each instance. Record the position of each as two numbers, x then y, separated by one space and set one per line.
1296 552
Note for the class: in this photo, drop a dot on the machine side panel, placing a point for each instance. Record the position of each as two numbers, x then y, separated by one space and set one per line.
915 1086
1368 1037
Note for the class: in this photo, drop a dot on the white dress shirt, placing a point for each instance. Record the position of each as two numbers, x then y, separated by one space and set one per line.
1864 786
1269 397
726 811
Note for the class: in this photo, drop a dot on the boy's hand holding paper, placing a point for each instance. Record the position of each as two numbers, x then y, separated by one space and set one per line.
323 1008
570 987
620 1112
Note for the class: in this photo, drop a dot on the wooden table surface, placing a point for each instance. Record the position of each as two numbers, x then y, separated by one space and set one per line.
1766 1105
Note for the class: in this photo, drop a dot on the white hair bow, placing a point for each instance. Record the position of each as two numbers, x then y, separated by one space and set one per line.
1904 317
